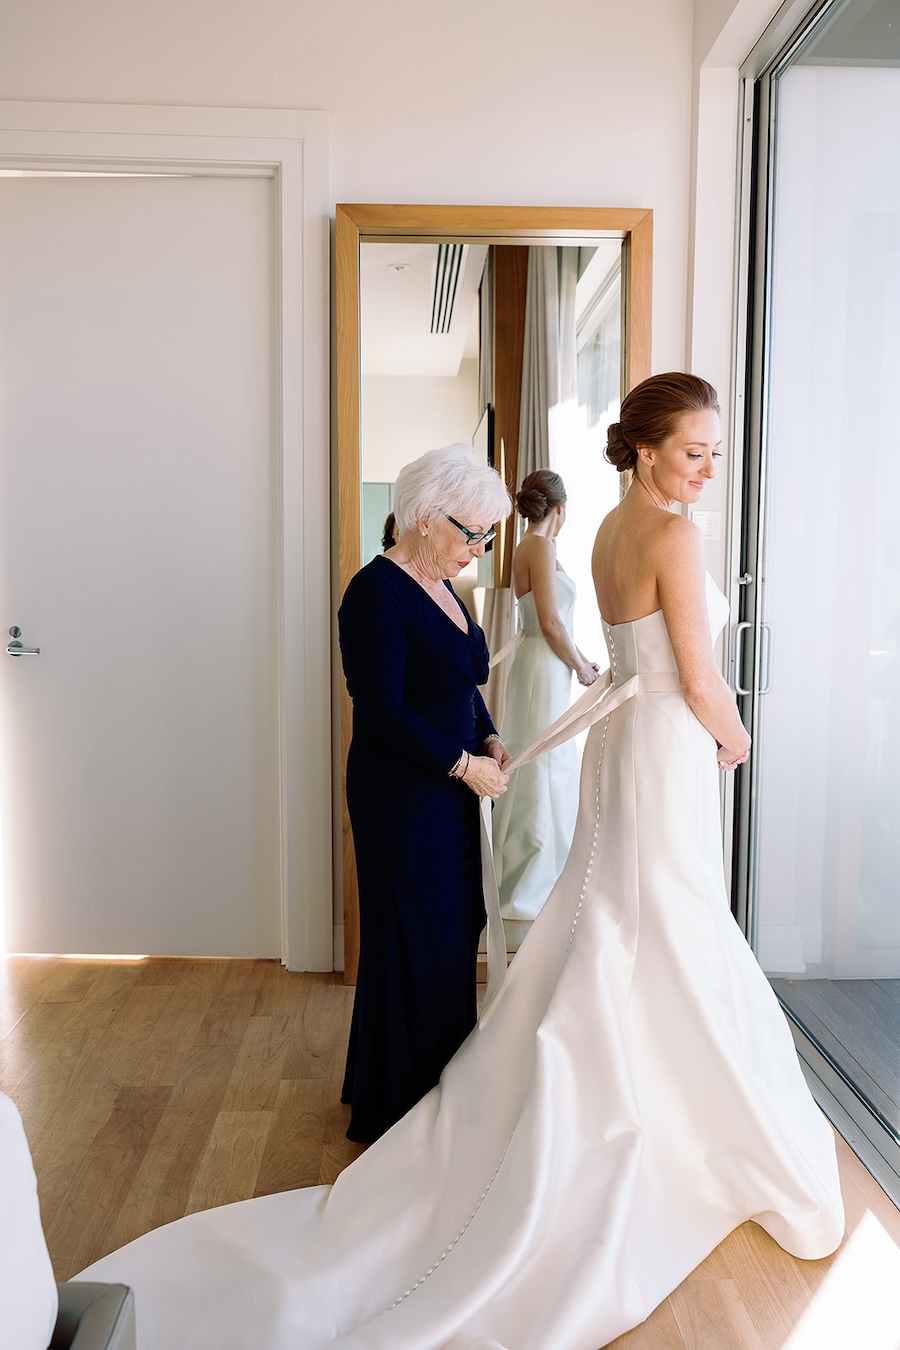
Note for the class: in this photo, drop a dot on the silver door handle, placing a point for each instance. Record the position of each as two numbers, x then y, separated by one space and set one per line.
739 630
16 649
765 633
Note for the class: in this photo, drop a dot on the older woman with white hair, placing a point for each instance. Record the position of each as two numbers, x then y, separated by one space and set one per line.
423 751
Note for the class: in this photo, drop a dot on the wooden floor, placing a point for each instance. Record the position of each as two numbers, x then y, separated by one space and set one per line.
154 1088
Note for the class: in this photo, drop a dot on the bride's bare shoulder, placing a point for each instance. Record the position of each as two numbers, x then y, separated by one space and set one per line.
609 526
674 533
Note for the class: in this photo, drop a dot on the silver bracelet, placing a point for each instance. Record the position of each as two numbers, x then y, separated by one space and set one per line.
462 773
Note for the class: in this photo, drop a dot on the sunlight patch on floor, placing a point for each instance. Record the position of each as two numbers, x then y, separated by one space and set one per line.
76 956
857 1303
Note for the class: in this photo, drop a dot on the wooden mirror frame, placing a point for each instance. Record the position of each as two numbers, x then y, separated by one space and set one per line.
355 224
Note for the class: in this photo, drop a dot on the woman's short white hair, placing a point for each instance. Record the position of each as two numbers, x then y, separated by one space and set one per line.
455 480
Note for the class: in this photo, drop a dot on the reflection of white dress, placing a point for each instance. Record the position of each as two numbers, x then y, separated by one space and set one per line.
630 1097
534 820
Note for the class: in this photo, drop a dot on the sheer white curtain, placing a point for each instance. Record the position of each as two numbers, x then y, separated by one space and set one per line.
549 387
549 374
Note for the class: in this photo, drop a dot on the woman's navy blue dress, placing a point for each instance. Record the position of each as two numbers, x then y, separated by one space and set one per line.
413 677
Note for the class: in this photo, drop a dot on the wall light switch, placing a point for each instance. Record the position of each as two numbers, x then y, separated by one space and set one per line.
709 523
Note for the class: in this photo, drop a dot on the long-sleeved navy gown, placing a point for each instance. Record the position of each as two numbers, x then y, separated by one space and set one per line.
413 676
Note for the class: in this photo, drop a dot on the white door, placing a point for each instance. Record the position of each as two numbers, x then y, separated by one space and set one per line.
138 783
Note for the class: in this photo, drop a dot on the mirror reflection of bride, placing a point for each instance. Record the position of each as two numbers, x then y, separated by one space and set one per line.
534 821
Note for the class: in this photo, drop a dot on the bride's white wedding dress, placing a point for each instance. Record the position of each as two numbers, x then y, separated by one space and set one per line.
631 1095
534 820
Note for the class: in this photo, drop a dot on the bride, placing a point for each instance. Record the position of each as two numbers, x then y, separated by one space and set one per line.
630 1095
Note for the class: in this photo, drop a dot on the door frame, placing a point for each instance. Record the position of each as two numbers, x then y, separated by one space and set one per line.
293 149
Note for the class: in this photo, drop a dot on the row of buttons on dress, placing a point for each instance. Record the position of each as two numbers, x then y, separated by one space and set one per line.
577 915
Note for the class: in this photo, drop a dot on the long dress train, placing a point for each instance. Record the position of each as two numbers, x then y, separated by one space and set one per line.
631 1095
533 822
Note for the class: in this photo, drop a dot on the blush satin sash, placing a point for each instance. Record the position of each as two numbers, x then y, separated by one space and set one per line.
597 702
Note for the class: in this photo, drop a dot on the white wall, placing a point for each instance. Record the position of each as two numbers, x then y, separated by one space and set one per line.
435 411
725 32
585 102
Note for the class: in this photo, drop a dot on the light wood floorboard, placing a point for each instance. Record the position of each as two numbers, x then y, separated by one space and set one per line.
155 1088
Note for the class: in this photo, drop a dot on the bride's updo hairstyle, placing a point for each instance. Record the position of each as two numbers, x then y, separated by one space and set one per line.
540 492
650 413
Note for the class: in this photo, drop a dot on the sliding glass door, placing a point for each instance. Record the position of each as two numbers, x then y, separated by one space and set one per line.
818 866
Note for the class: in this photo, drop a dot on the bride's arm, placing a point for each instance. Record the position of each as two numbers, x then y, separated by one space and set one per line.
681 578
542 576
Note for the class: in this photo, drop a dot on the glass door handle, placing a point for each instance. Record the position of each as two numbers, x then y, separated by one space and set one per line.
765 665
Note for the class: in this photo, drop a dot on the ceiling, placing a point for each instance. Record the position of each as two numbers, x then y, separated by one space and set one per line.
404 289
407 289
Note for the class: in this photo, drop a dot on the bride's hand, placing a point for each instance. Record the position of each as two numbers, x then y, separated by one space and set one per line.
730 759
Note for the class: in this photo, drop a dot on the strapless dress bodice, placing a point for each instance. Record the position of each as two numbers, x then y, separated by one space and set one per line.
642 646
565 599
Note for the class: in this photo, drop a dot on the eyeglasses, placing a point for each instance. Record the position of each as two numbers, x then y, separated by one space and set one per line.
474 537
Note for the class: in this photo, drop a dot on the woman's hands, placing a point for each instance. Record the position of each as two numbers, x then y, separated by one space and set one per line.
494 747
587 672
484 775
730 759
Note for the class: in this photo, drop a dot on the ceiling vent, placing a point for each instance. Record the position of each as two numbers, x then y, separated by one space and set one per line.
446 282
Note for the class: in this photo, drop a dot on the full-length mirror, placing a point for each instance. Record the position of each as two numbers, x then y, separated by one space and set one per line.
431 340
